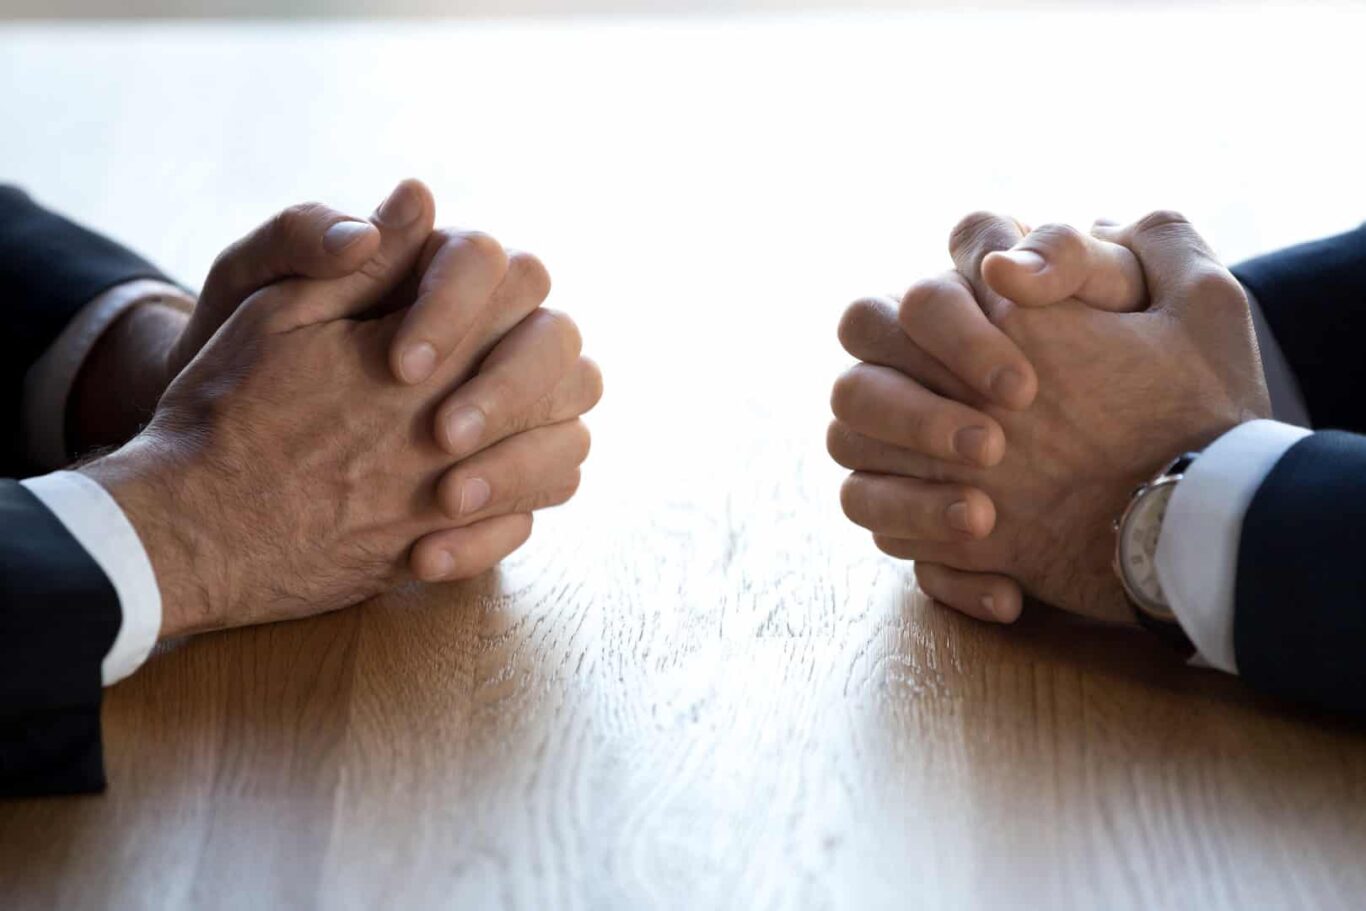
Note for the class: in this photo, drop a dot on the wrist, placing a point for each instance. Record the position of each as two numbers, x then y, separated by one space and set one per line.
148 480
1137 533
123 377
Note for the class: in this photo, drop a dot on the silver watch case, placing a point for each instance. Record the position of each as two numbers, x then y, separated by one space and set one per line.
1136 536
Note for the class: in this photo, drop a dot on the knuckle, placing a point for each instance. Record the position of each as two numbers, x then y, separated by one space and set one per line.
838 443
1213 287
529 275
572 485
591 382
857 321
924 298
581 444
227 263
974 228
555 496
293 218
1063 241
846 392
564 328
540 413
485 248
930 577
851 498
900 548
1160 220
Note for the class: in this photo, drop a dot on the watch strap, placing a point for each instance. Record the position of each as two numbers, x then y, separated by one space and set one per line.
1169 631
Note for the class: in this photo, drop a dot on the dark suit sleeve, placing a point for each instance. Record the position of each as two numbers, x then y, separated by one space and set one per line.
1299 627
59 613
49 269
1314 300
58 618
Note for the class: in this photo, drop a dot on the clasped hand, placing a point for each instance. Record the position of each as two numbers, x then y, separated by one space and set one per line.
353 403
1002 413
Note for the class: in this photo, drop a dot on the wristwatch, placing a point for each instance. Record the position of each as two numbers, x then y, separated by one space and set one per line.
1136 535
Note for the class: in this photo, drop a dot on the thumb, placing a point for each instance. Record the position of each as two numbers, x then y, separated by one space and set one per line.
309 240
1054 263
403 224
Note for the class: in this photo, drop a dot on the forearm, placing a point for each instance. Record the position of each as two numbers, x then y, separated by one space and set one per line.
1300 619
51 270
118 385
1257 559
1313 297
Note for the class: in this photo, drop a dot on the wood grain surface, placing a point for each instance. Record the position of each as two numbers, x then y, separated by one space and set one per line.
698 686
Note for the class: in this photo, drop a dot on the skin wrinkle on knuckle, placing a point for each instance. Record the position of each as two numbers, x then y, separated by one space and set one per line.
968 233
854 323
1061 242
540 413
1158 220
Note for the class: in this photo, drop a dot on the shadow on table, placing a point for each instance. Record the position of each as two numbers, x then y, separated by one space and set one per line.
237 759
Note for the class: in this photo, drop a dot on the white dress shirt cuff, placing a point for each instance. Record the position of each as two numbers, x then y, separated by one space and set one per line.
48 383
1197 552
99 525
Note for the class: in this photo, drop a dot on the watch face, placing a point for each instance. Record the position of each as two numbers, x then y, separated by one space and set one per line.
1138 549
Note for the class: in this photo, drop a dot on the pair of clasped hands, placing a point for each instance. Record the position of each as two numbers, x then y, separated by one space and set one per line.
1002 413
352 403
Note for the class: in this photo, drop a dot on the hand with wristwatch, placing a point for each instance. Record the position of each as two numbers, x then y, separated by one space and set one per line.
1129 345
1136 535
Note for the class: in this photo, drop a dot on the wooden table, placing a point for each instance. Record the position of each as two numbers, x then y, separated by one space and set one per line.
698 686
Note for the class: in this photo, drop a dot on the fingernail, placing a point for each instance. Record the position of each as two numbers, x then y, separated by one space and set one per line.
474 494
957 514
417 363
445 564
464 430
401 207
971 444
1026 259
1008 386
345 233
989 605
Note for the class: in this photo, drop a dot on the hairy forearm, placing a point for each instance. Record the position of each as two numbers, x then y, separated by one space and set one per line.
154 486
